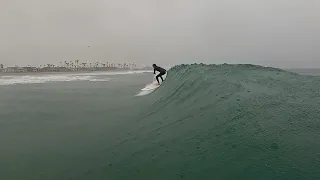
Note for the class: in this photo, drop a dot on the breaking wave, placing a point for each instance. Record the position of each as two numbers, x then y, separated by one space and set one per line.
226 122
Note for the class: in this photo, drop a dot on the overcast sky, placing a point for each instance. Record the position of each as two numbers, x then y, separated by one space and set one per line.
280 33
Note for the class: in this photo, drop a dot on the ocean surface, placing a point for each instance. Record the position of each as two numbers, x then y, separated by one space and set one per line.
222 122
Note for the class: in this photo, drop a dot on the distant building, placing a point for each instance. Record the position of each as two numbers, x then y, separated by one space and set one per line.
29 69
61 69
15 70
10 70
53 69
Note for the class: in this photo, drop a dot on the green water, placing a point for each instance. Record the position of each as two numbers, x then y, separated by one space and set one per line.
64 130
204 122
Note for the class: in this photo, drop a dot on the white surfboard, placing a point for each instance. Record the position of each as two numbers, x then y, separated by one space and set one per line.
150 87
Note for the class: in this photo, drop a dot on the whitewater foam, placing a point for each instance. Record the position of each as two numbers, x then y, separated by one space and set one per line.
39 79
30 79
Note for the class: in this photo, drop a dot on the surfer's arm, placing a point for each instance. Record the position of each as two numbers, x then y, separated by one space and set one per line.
154 71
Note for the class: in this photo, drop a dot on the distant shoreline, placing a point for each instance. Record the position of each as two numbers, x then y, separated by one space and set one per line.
66 72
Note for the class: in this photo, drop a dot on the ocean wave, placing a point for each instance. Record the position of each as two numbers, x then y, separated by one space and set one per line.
231 119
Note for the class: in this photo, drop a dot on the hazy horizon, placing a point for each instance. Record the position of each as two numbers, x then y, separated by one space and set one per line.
278 33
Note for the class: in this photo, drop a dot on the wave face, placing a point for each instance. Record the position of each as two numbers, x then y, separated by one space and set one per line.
227 122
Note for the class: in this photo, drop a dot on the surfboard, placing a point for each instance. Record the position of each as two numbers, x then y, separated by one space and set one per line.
154 85
150 87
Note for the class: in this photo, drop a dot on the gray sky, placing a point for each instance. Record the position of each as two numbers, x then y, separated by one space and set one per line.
281 33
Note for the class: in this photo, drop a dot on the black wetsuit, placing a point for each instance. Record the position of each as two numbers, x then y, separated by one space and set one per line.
162 72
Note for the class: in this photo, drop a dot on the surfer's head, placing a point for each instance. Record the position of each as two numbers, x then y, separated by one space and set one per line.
154 65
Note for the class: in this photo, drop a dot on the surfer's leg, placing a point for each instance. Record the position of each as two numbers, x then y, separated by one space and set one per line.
157 77
161 74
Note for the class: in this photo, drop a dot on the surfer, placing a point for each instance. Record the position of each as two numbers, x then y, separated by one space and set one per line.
161 70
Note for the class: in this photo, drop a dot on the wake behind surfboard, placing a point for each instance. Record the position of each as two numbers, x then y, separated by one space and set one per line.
151 87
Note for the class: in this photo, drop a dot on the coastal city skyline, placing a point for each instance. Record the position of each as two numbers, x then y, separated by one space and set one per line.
75 65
